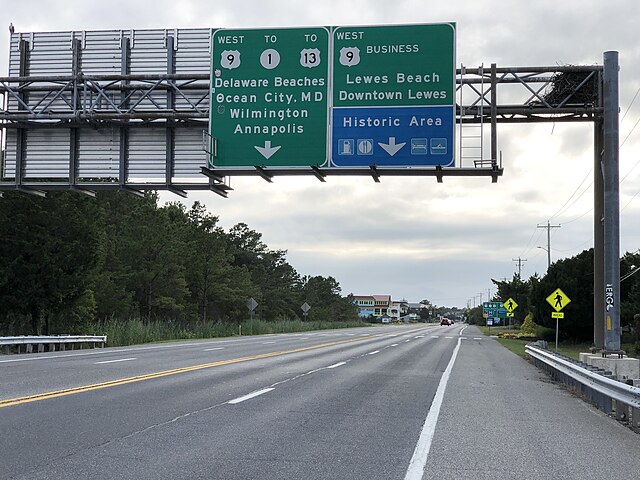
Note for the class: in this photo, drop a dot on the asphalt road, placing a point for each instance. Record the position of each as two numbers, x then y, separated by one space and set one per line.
398 402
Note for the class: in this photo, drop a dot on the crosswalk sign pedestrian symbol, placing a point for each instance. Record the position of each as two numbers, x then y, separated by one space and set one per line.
510 305
558 300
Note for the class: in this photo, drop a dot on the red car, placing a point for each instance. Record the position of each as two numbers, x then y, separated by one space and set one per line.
446 321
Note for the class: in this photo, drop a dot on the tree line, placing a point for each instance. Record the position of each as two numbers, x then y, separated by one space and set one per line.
69 260
574 276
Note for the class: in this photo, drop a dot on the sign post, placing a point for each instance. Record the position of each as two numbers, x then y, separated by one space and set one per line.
305 309
251 305
558 300
510 305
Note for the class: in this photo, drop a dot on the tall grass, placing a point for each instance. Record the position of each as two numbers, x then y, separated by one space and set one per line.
135 331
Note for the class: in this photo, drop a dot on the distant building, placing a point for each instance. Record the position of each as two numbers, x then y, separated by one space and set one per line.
379 306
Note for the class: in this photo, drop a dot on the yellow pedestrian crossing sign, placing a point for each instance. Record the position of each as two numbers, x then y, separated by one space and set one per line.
510 305
558 300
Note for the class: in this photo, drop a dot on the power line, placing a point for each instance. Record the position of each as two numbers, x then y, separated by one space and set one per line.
574 192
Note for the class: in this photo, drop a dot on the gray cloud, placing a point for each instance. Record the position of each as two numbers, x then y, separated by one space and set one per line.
413 237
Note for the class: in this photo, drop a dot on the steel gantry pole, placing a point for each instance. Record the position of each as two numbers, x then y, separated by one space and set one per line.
598 226
611 174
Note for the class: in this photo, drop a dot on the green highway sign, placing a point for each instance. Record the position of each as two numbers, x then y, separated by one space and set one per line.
394 65
269 97
387 91
492 305
393 95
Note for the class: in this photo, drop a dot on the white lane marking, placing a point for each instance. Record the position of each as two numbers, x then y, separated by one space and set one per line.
212 349
419 336
448 337
336 365
268 343
435 336
250 396
394 345
421 452
374 352
407 341
463 329
477 338
115 361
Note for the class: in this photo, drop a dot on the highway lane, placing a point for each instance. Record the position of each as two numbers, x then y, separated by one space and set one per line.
23 375
183 426
352 409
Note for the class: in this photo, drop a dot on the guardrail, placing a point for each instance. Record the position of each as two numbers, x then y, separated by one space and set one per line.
49 342
595 384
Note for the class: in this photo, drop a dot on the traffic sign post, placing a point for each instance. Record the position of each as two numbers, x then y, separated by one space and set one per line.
558 300
510 305
305 309
269 97
494 312
393 95
251 305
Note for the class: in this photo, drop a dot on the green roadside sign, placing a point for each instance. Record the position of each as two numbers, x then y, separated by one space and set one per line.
269 97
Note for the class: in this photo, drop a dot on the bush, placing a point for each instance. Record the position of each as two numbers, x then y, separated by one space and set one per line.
528 326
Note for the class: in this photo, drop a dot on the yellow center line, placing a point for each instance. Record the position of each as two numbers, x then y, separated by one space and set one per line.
140 378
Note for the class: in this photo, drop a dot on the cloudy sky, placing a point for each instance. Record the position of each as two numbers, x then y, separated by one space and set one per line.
415 238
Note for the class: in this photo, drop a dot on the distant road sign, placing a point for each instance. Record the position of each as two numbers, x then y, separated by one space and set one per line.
557 314
492 305
252 304
269 97
558 300
305 307
394 86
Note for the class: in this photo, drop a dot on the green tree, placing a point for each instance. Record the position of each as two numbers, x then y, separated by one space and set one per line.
574 276
218 287
50 252
275 282
323 294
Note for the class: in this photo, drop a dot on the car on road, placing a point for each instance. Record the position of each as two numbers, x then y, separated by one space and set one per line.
446 321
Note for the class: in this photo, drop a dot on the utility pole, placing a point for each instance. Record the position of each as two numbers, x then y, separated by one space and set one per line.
548 226
519 260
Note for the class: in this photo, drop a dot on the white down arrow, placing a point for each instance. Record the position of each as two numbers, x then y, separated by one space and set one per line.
392 147
267 151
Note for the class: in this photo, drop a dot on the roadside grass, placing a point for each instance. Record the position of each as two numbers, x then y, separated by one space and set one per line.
568 349
135 331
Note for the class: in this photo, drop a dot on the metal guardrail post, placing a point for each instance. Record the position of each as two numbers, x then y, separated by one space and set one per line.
42 341
597 386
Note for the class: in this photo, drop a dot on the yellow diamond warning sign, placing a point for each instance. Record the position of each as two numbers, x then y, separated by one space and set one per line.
558 300
510 305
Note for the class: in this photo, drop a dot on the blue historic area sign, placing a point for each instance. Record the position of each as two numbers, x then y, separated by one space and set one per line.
393 95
